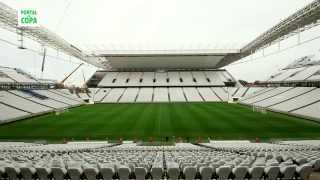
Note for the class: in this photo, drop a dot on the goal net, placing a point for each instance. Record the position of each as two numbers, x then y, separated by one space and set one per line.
259 109
60 111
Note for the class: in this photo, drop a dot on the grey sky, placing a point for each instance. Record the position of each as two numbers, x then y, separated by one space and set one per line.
168 24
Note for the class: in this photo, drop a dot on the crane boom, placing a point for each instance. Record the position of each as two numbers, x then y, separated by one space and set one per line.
64 80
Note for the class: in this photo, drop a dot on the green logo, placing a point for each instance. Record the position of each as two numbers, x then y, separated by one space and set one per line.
28 17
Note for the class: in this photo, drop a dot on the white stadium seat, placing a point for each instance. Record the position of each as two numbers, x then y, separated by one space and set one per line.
176 95
218 159
160 95
9 113
107 171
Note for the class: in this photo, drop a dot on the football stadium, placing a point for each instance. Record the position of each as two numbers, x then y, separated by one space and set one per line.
149 89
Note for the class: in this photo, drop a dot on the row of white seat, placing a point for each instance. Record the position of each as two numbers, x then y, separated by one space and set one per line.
176 94
129 161
56 148
76 170
213 165
297 74
302 143
9 75
303 101
171 78
18 104
262 148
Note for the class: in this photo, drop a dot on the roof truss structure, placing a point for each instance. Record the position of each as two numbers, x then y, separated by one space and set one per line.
302 20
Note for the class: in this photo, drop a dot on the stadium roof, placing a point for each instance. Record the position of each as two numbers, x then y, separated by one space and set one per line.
304 19
168 59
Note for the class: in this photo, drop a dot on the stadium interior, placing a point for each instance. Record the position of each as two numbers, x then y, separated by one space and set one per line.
158 114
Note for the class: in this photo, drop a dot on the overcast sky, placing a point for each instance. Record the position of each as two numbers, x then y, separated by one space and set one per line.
170 24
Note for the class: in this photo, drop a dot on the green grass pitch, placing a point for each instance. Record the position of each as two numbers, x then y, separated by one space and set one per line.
156 121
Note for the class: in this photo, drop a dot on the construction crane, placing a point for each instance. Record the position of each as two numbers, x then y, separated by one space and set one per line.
64 80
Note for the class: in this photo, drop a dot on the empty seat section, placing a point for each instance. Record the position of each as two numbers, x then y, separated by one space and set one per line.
145 95
4 78
253 91
66 92
9 113
135 78
295 74
160 95
221 93
256 92
176 95
13 74
220 160
298 102
58 97
114 95
129 95
161 79
174 78
215 78
71 95
312 111
122 79
269 94
47 102
285 74
284 96
192 94
306 73
208 94
109 79
147 79
168 78
241 91
315 76
98 97
201 78
21 103
186 79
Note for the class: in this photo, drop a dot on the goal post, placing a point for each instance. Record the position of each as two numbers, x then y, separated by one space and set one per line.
259 109
61 110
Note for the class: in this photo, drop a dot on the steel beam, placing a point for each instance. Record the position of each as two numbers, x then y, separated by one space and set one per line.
304 19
